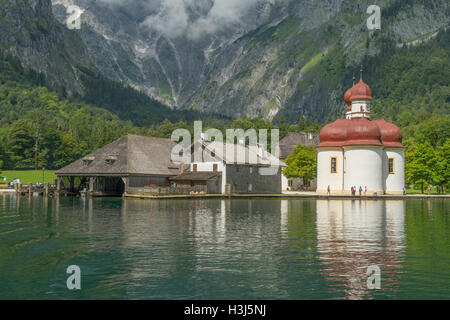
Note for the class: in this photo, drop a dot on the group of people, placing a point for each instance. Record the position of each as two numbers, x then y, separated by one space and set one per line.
438 189
360 190
353 190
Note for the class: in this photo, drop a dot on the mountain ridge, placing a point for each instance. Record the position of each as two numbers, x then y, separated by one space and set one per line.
252 68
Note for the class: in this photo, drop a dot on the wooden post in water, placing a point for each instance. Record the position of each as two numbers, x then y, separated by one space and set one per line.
30 189
58 186
46 190
228 190
91 185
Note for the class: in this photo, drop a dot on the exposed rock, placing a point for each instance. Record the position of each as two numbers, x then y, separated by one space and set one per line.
29 31
260 63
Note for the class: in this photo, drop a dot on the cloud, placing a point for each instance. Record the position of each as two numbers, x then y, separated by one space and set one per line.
191 18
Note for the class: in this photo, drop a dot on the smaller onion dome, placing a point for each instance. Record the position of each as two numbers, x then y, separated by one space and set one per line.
362 131
391 135
361 91
348 96
334 134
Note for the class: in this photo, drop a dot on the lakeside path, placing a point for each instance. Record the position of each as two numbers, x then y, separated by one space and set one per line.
287 195
284 195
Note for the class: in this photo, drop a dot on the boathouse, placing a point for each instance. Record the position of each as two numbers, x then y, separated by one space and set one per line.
124 166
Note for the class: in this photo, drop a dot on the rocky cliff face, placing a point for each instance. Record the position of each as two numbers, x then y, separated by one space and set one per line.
245 58
29 31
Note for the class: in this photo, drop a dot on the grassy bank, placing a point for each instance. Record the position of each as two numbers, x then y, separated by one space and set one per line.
418 191
28 176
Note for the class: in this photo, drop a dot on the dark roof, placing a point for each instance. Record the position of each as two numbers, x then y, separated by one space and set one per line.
129 155
293 139
196 176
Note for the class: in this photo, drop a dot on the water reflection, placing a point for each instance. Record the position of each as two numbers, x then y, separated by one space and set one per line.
221 249
355 234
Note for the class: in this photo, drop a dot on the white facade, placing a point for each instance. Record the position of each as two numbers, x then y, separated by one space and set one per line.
395 181
360 109
325 177
363 167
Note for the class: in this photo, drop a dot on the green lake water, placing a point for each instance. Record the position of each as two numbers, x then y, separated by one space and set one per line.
223 249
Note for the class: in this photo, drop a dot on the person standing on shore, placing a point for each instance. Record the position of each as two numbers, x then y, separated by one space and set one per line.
404 191
429 189
328 190
360 191
365 190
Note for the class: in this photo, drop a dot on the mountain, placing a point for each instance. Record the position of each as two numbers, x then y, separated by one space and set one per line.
56 57
29 31
250 58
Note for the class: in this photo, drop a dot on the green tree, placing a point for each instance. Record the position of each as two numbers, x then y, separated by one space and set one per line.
302 163
422 165
443 175
20 145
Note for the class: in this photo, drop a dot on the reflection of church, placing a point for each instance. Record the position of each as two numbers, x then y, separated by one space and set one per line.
359 152
353 235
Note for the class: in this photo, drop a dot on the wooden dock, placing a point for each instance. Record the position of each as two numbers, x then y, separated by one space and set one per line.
33 190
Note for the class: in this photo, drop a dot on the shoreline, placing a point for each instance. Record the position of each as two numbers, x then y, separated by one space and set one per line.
290 195
286 195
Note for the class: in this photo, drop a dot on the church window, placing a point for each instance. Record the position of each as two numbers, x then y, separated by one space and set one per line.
333 165
391 165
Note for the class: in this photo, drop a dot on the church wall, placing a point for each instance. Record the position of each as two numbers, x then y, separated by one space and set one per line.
364 167
396 181
324 176
360 109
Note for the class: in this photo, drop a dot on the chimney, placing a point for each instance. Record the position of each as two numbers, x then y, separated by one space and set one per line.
182 167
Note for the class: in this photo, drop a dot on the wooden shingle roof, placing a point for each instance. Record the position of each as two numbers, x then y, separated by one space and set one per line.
293 139
129 155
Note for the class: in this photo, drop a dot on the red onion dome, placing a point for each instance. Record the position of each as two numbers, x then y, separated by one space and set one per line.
361 91
391 135
334 134
362 131
348 96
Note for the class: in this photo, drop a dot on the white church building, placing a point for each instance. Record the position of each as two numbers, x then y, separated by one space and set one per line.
359 152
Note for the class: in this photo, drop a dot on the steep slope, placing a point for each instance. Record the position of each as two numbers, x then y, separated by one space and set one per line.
296 56
29 32
302 65
157 52
53 56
